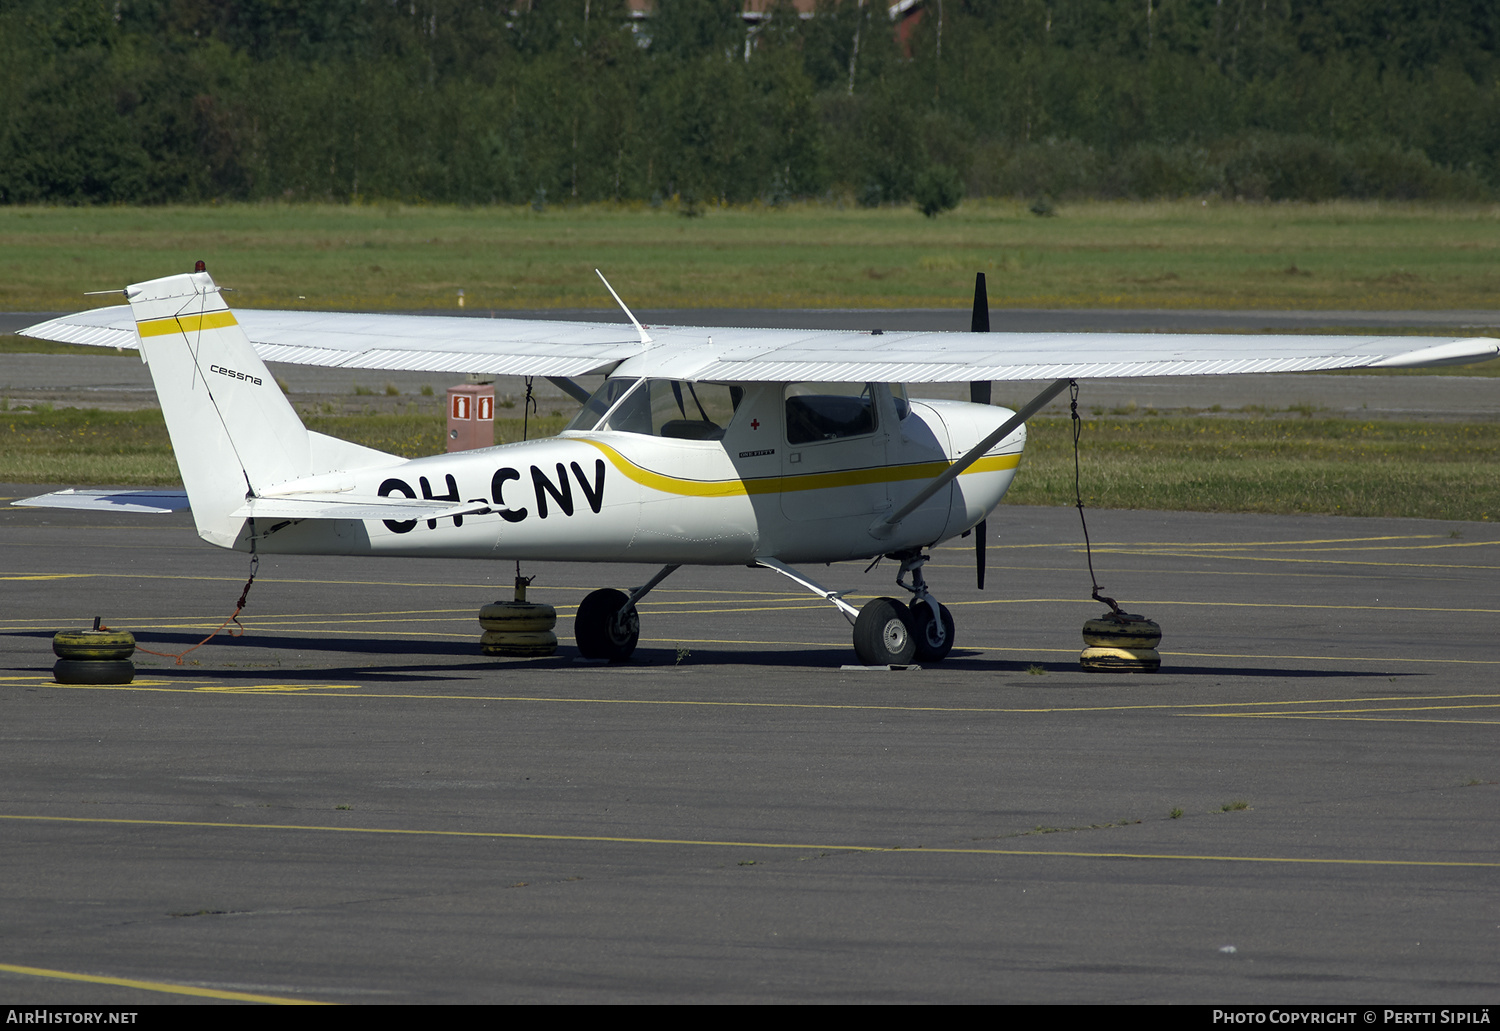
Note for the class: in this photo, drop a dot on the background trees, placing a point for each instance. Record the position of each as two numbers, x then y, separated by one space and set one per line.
105 101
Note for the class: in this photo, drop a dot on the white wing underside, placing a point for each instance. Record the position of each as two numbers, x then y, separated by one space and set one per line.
526 347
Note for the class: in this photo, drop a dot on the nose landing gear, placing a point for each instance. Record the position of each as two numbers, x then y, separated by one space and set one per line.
931 622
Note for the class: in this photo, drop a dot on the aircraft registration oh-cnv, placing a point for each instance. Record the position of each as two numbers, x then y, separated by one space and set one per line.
769 448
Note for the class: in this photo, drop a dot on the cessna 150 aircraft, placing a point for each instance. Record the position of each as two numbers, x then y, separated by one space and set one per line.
769 448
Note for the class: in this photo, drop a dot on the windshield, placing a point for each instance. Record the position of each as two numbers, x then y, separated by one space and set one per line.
600 402
661 408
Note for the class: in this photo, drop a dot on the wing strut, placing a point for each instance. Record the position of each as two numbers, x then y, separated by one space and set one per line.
882 527
569 387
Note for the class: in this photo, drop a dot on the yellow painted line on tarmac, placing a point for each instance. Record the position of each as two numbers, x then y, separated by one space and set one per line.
134 576
1301 561
814 603
1233 551
780 845
47 576
1364 714
1167 656
1494 704
1340 607
1221 544
272 688
1279 574
1143 602
170 687
1380 719
159 986
368 692
1382 659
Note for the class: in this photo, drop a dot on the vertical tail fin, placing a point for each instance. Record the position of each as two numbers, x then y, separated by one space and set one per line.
233 431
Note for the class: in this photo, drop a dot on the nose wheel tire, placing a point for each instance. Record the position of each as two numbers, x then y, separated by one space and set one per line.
883 634
925 630
597 632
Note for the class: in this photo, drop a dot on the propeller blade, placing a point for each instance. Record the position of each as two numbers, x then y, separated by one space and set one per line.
979 551
979 390
979 393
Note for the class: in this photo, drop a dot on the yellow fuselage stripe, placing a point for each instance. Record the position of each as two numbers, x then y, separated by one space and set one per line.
185 323
787 484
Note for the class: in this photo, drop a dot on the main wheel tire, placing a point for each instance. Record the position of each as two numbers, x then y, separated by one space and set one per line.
93 645
595 631
93 671
925 628
883 634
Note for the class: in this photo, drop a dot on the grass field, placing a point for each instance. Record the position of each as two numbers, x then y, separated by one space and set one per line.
1180 254
1426 470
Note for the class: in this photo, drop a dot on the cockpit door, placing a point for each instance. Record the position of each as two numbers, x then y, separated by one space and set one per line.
836 441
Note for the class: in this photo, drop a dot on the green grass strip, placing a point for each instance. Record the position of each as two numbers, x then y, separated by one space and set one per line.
1179 254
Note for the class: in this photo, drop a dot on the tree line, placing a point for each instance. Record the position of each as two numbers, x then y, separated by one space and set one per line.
554 101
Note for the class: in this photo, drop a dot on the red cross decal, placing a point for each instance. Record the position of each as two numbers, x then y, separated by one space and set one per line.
755 424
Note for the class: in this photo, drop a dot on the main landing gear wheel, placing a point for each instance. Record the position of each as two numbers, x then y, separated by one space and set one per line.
599 633
925 630
883 634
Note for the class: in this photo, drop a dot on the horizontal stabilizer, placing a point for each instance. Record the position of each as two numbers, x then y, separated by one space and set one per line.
152 501
350 506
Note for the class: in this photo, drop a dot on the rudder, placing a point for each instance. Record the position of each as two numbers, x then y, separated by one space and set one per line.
233 431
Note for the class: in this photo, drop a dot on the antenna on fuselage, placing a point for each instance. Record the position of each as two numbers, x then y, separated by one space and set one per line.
645 339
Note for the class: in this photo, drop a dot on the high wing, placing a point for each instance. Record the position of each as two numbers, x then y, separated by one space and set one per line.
526 347
420 343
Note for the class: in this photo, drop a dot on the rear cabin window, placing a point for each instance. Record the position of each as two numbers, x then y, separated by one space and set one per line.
828 411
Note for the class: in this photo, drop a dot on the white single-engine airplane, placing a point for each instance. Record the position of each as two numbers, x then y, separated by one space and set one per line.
766 448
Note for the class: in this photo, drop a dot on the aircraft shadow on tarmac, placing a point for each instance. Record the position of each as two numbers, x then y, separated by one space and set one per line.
291 647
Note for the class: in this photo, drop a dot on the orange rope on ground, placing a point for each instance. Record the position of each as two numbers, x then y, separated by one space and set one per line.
233 618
